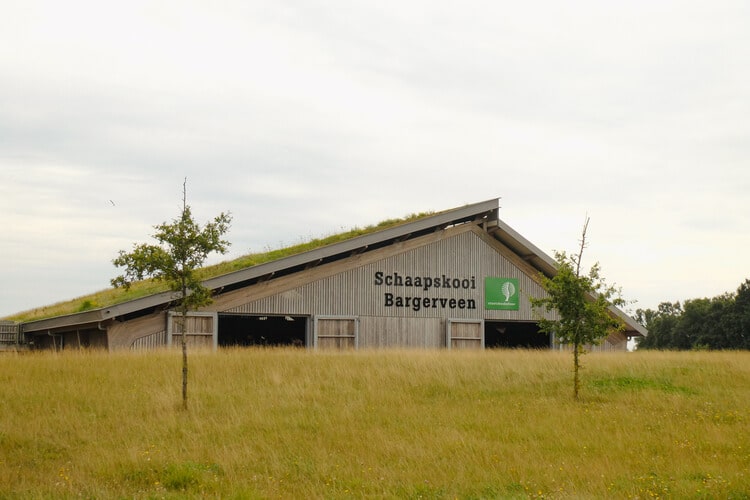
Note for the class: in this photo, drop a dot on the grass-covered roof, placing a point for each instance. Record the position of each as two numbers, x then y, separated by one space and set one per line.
112 296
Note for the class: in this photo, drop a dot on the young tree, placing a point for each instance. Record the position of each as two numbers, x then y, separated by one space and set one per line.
582 303
183 246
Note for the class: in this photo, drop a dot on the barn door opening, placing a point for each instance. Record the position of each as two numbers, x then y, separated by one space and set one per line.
464 334
262 330
514 335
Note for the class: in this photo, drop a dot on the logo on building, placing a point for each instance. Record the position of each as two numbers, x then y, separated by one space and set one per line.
501 294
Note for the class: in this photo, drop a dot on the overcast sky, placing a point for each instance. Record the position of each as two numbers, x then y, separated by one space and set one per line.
303 120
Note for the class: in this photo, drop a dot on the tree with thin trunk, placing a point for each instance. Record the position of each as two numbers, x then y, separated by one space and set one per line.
582 305
183 246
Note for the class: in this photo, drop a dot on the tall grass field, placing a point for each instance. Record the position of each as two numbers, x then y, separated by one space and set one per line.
374 424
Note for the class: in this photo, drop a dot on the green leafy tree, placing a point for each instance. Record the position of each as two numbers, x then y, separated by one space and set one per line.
741 316
183 246
706 323
661 325
582 303
721 322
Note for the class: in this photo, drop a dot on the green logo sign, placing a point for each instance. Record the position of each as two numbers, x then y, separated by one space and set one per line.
501 294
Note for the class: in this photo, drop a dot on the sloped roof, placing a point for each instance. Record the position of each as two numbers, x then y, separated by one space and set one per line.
547 265
485 212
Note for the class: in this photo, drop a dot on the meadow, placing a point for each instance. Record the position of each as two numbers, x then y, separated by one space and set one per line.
284 423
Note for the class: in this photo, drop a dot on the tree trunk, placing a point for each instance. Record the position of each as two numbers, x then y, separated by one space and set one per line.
184 368
576 365
184 374
184 349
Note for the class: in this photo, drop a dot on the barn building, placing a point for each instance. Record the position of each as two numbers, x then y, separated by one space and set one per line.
457 279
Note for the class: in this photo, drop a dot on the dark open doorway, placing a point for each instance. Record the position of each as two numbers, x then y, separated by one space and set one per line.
256 330
514 334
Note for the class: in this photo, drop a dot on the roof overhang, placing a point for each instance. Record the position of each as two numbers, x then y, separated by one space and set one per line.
522 247
97 317
548 266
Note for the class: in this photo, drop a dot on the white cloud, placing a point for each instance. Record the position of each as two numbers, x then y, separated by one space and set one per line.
635 113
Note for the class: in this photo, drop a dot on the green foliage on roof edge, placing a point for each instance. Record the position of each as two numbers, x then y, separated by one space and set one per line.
112 296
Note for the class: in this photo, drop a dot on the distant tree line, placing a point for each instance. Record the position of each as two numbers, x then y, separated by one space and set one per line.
722 322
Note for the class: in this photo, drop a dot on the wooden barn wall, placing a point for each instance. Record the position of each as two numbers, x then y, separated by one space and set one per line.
9 333
354 288
465 334
200 331
137 331
615 342
464 256
377 331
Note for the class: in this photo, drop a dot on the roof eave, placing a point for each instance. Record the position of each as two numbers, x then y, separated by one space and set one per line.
548 266
97 316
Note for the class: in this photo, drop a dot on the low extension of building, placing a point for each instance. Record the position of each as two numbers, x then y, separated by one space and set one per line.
11 338
459 279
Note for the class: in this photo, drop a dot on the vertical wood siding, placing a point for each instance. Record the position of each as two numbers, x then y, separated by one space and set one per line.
349 288
464 256
465 334
402 332
149 342
200 330
336 333
615 342
122 335
9 334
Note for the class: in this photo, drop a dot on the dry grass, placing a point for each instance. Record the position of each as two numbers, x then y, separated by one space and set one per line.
375 424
